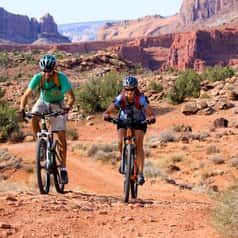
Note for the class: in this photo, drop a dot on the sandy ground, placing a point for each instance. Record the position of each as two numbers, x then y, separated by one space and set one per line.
92 205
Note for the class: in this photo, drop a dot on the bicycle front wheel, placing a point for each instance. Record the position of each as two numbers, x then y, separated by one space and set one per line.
57 163
134 189
128 165
43 175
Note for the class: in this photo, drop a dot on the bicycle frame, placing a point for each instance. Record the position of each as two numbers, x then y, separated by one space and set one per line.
130 140
48 137
47 158
129 157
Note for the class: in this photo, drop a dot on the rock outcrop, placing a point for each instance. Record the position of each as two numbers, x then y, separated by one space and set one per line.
193 10
193 15
200 48
195 49
21 29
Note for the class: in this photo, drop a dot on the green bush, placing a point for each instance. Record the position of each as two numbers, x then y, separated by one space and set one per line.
8 121
153 85
96 94
3 78
72 134
187 85
217 73
1 93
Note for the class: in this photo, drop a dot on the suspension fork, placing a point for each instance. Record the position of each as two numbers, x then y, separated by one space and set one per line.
130 139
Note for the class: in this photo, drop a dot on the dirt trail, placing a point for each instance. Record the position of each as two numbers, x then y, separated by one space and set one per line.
92 207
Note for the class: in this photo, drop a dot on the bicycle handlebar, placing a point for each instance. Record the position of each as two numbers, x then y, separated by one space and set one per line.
118 120
44 114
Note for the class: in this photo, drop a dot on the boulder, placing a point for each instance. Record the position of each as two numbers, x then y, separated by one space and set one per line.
220 122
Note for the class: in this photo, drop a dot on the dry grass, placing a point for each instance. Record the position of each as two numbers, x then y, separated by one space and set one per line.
225 214
103 152
167 136
212 149
72 134
152 170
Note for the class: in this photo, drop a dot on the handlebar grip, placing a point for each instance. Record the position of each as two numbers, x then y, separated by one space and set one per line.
108 119
152 121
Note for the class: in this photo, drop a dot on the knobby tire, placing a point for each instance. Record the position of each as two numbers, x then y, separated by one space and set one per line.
127 182
43 175
56 171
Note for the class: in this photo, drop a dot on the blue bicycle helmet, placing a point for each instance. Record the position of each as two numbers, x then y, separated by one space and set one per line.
130 81
47 62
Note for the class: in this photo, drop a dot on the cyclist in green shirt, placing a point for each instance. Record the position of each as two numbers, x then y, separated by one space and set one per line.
53 86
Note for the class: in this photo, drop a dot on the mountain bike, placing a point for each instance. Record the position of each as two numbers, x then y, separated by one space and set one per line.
48 159
129 163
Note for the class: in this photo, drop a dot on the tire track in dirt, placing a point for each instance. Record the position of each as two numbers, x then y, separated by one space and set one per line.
92 207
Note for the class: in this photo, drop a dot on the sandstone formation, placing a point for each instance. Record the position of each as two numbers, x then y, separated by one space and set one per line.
193 15
200 48
193 10
195 49
21 29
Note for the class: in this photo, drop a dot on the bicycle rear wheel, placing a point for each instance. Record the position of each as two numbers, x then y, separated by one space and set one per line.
57 162
128 166
43 175
134 184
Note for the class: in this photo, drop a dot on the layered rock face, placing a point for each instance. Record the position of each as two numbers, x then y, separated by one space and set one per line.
193 15
195 49
193 10
200 48
21 29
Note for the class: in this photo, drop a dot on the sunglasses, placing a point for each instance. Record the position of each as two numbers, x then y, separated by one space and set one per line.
130 89
47 71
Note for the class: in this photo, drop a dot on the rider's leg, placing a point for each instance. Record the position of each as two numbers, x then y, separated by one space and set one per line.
39 107
139 135
62 146
62 149
121 134
35 125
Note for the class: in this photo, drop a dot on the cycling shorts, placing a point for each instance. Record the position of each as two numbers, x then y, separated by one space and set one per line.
136 126
56 123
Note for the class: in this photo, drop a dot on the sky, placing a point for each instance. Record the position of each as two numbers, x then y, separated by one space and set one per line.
74 11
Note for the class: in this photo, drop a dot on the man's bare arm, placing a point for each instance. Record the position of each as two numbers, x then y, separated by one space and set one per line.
71 98
24 98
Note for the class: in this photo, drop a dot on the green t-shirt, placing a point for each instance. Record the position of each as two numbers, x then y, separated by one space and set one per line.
49 91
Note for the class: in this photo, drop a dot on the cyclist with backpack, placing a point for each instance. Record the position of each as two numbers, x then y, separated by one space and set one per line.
53 86
132 101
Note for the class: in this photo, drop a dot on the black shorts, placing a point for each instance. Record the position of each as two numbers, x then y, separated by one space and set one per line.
136 126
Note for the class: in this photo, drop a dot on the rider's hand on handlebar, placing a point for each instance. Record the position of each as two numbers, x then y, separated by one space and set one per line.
106 116
151 119
21 114
66 108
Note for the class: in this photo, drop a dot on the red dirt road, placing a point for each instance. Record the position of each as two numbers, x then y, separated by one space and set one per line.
92 206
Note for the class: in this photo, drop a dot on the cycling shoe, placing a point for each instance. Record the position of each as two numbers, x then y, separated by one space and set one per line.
140 179
64 176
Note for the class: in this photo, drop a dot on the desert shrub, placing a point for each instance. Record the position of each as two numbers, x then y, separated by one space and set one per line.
153 85
4 59
72 134
225 214
167 136
3 78
8 121
152 170
1 93
217 73
212 149
103 152
107 148
96 94
186 85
